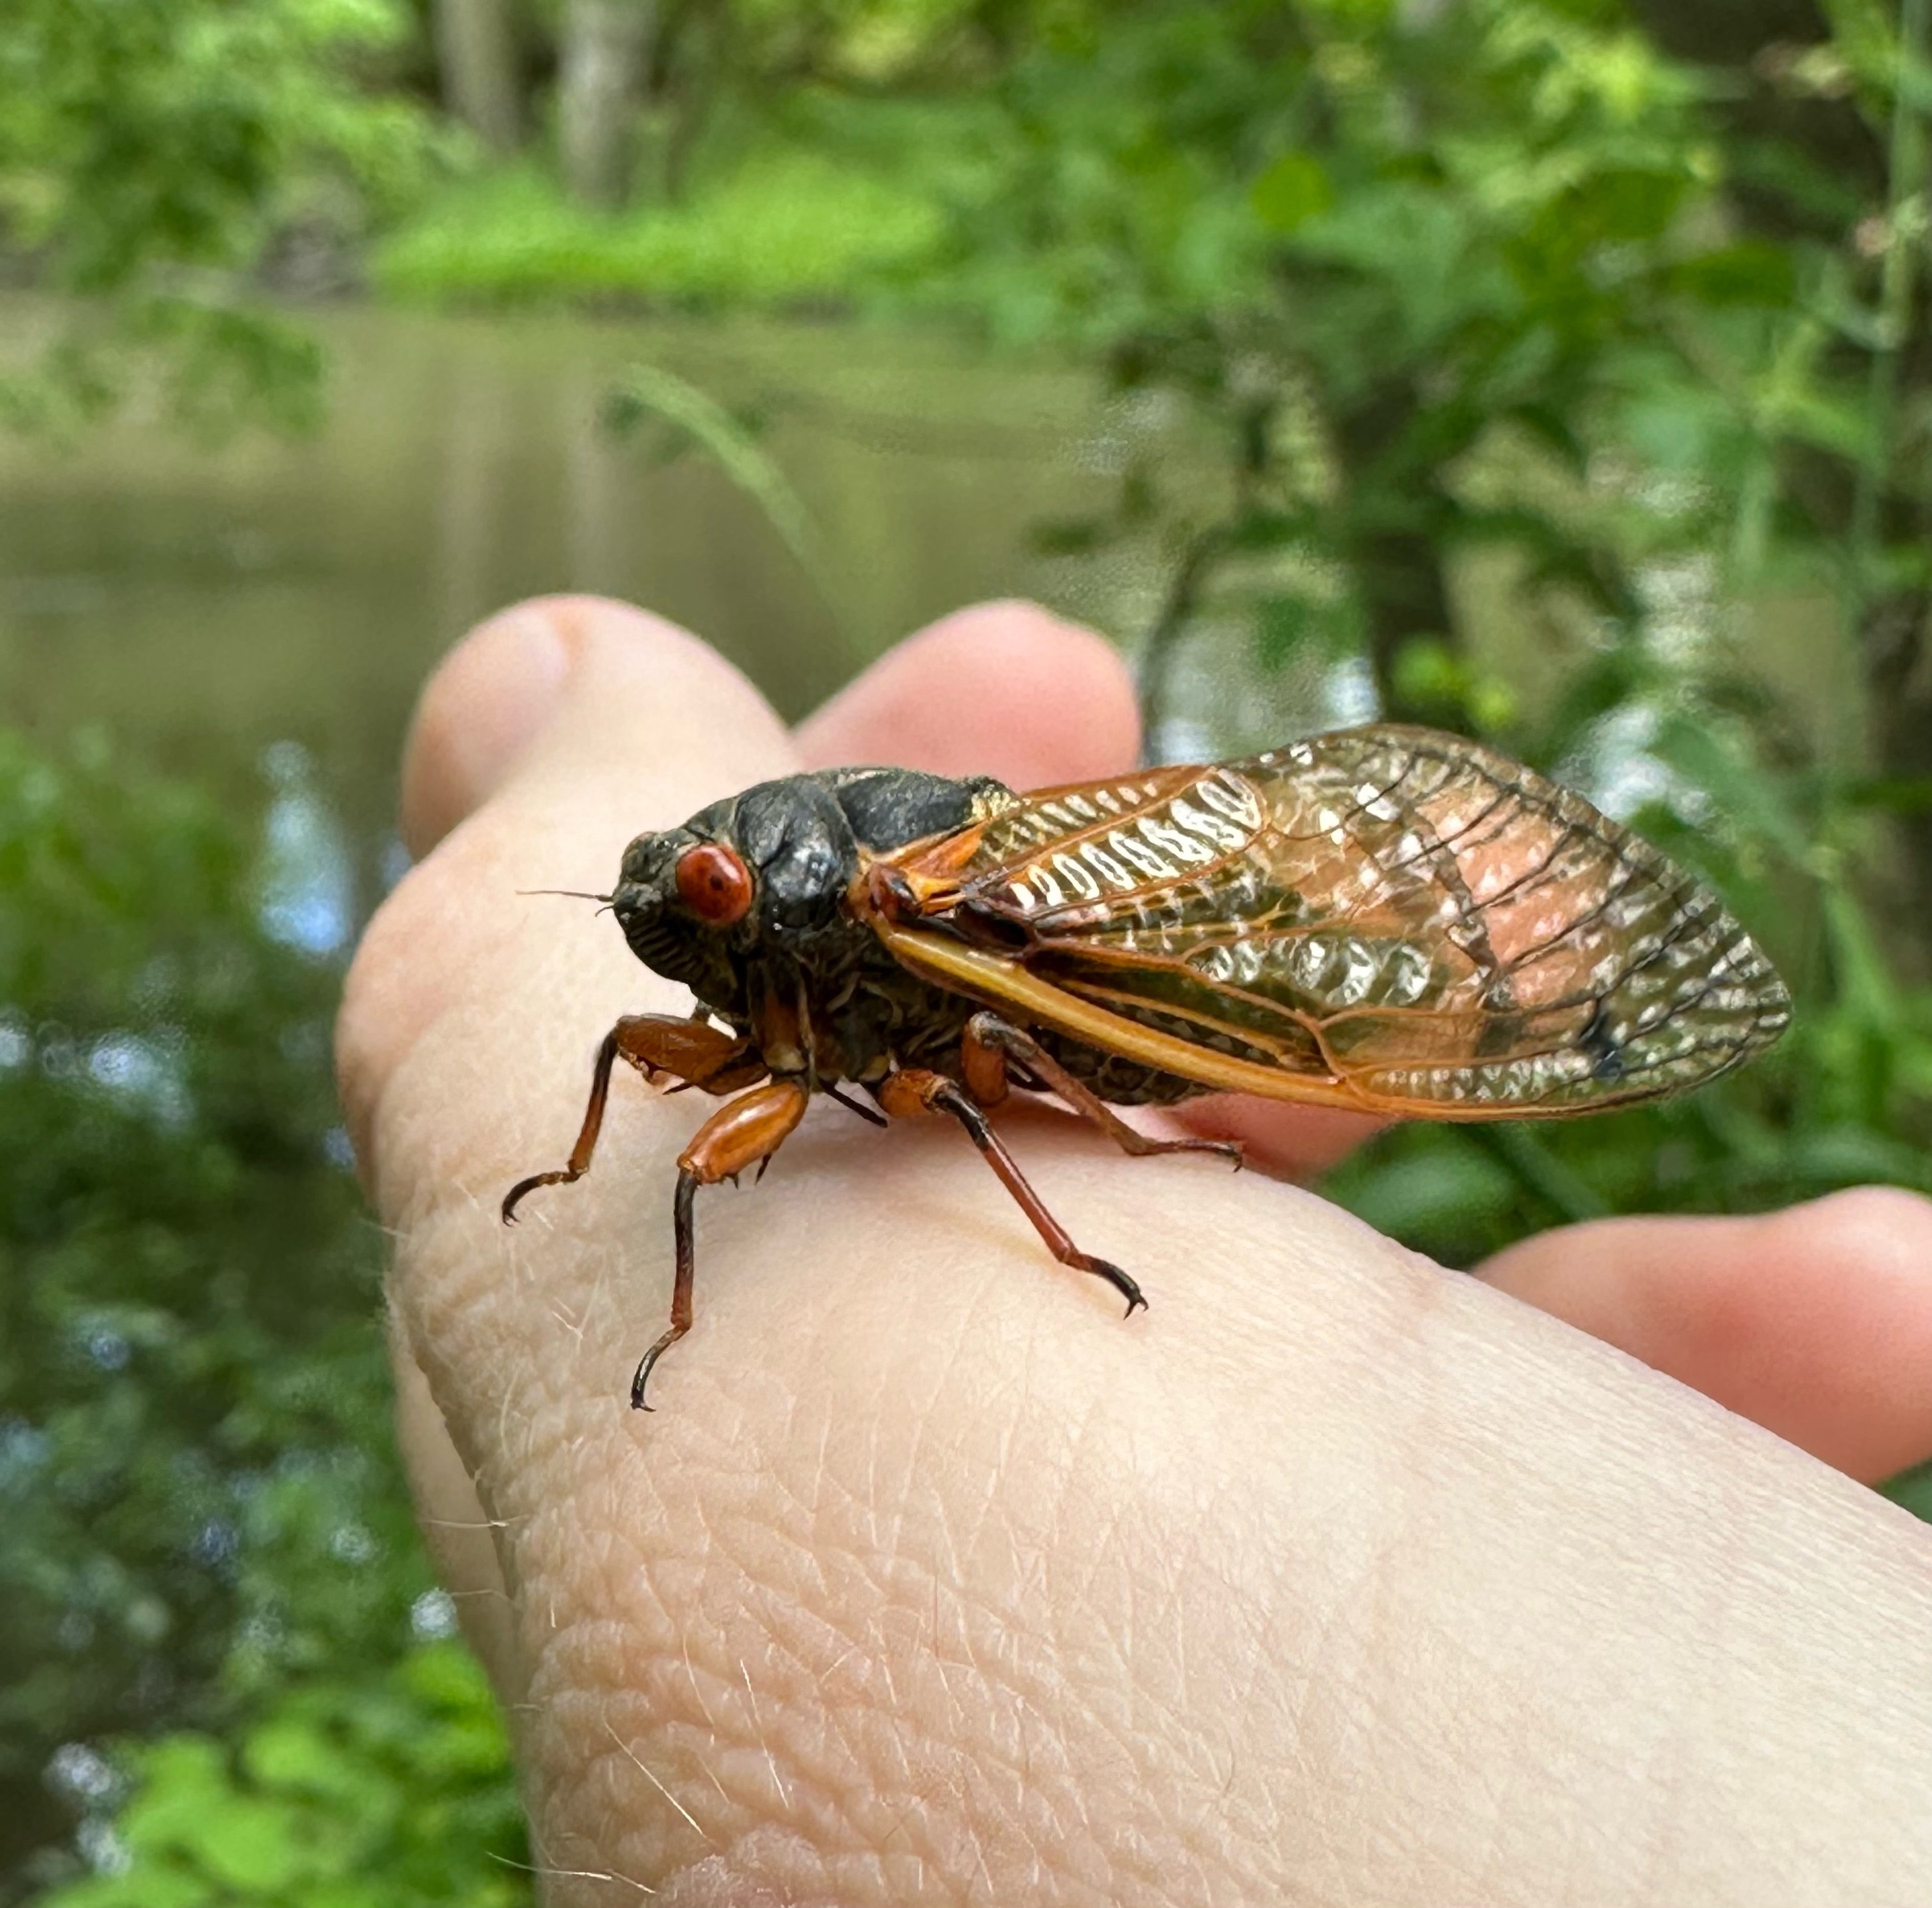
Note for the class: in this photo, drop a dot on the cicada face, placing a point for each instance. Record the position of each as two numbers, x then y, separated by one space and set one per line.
664 933
762 872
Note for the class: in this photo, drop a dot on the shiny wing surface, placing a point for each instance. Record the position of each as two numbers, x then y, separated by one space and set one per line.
1427 924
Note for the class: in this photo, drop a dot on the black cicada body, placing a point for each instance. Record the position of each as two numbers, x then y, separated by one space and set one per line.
1385 919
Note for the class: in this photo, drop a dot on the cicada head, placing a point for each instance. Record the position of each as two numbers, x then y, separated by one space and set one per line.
762 874
664 932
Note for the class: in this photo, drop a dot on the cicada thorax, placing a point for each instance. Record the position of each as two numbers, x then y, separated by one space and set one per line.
1412 917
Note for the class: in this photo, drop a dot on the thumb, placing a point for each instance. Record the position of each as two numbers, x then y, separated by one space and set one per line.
482 709
591 679
545 738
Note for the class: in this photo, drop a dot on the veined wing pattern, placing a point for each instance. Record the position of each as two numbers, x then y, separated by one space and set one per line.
1421 920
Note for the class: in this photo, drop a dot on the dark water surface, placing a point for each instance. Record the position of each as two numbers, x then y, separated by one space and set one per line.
277 602
273 606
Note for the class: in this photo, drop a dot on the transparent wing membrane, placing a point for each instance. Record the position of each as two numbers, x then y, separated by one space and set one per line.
1409 915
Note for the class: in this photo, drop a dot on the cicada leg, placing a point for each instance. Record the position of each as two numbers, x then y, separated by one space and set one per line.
750 1129
689 1050
990 1042
915 1090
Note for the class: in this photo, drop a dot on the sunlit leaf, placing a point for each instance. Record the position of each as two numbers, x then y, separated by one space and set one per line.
1293 190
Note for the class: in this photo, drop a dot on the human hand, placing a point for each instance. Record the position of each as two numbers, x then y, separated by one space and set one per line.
1335 1577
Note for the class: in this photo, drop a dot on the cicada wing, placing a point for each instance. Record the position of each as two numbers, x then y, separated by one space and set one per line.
1430 926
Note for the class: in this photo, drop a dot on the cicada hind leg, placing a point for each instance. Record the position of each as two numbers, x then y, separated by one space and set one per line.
990 1042
915 1089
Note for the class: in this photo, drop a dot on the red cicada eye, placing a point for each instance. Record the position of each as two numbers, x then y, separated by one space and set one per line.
714 882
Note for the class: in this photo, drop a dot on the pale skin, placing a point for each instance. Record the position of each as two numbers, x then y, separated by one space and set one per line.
1333 1578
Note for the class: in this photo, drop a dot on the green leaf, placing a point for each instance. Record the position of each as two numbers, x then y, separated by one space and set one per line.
652 390
251 1845
1629 204
1294 189
448 1676
1429 1193
152 1885
1751 272
1913 1489
184 1779
190 1807
285 1753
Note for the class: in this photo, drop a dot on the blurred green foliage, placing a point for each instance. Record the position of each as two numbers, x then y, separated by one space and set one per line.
205 1517
1502 277
159 158
1510 281
1914 1491
511 238
367 1793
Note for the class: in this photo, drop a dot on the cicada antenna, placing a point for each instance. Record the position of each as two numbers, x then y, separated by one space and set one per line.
571 894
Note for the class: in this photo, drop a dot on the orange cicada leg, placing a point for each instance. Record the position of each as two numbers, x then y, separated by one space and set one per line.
687 1050
751 1128
915 1089
990 1042
982 1062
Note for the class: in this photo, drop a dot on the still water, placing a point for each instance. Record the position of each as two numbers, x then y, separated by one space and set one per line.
267 610
271 608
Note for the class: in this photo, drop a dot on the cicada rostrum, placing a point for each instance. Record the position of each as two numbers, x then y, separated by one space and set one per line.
1385 919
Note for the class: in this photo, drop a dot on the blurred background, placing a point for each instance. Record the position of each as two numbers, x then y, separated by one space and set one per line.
1554 370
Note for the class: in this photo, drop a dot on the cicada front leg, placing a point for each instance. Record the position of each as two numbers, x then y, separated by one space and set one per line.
915 1089
654 1044
990 1042
751 1128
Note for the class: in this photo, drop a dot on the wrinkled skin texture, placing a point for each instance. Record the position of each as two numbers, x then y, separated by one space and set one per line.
1335 1578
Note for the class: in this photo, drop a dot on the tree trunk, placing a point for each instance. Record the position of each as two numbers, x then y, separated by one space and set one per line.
476 54
1398 569
696 72
1405 594
606 47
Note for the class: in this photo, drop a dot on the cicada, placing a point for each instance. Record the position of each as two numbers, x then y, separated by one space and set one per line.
1386 919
